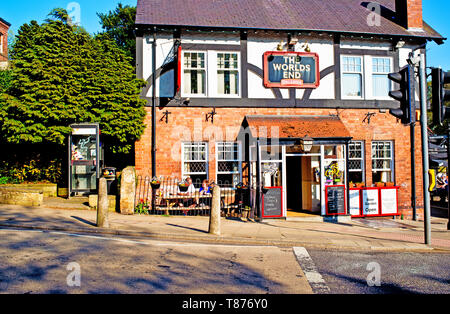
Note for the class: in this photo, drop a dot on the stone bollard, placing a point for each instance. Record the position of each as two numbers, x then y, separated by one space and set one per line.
214 218
102 204
127 191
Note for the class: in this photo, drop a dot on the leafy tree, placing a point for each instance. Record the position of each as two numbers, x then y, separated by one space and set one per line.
62 75
119 25
5 80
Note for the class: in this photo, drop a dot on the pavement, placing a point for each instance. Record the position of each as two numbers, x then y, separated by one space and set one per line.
353 235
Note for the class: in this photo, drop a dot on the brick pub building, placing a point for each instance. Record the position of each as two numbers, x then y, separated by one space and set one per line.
4 27
289 97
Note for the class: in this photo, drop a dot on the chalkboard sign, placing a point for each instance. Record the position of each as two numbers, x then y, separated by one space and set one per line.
272 202
335 197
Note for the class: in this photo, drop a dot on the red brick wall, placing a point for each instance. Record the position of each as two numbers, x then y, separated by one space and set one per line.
188 124
4 30
410 12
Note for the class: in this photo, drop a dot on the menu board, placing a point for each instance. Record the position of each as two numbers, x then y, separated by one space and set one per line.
389 201
272 203
335 196
370 202
355 205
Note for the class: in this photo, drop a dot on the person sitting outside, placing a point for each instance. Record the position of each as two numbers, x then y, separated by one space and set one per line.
205 190
188 202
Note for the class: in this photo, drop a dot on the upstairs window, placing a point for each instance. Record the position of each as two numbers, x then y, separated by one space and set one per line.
227 74
352 77
195 73
381 67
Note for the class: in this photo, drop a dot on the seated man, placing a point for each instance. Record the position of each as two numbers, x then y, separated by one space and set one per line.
188 202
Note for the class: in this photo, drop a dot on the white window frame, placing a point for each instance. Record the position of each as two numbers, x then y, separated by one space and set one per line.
1 44
216 73
363 78
392 159
211 74
239 160
183 81
372 73
183 160
362 159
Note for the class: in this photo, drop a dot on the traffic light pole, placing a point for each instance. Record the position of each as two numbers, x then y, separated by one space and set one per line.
425 155
448 176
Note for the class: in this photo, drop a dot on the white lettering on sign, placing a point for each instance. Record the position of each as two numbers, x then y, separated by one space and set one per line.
292 69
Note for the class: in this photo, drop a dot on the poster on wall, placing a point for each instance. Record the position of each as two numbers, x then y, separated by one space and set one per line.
389 201
370 202
355 204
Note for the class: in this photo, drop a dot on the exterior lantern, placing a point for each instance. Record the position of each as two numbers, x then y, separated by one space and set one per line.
306 144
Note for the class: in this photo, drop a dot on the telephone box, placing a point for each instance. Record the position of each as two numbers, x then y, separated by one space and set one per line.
85 158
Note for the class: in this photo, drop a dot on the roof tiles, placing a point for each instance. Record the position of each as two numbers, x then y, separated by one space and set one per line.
346 16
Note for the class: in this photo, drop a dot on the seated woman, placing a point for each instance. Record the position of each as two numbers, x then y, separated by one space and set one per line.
205 190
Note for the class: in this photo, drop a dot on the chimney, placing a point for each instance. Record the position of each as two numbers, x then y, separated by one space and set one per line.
409 14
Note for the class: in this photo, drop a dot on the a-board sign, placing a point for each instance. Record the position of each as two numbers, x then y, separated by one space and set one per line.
355 204
370 202
272 202
389 201
335 200
289 69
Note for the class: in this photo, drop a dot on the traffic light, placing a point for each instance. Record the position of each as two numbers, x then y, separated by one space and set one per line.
405 95
439 78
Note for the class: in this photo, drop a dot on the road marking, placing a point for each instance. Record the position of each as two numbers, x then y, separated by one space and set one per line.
313 276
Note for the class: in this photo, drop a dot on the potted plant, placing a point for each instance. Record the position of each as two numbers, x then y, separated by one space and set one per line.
155 183
360 185
379 184
389 184
351 184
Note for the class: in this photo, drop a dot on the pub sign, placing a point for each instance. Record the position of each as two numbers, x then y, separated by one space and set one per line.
289 69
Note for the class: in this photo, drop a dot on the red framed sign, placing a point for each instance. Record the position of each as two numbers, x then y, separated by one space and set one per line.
289 69
374 202
272 202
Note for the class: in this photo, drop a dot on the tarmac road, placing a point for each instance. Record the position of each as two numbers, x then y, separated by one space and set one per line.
400 273
58 262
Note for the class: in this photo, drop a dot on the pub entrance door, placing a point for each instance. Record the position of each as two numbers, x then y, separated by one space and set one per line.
303 184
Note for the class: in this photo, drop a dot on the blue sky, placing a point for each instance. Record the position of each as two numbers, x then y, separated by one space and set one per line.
436 13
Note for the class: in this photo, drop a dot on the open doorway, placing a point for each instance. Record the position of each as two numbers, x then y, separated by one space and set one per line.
303 184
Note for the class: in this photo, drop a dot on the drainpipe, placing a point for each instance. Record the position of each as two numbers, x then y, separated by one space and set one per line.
154 104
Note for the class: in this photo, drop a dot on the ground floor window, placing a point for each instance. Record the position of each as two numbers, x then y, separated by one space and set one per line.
228 163
195 161
356 162
382 161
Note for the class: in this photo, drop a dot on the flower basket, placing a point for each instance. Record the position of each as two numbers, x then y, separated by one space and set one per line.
155 184
241 186
379 184
389 184
360 185
183 186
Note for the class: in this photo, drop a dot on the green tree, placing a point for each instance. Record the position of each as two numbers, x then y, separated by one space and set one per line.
119 25
62 75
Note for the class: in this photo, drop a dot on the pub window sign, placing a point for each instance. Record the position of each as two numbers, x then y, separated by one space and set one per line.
287 69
